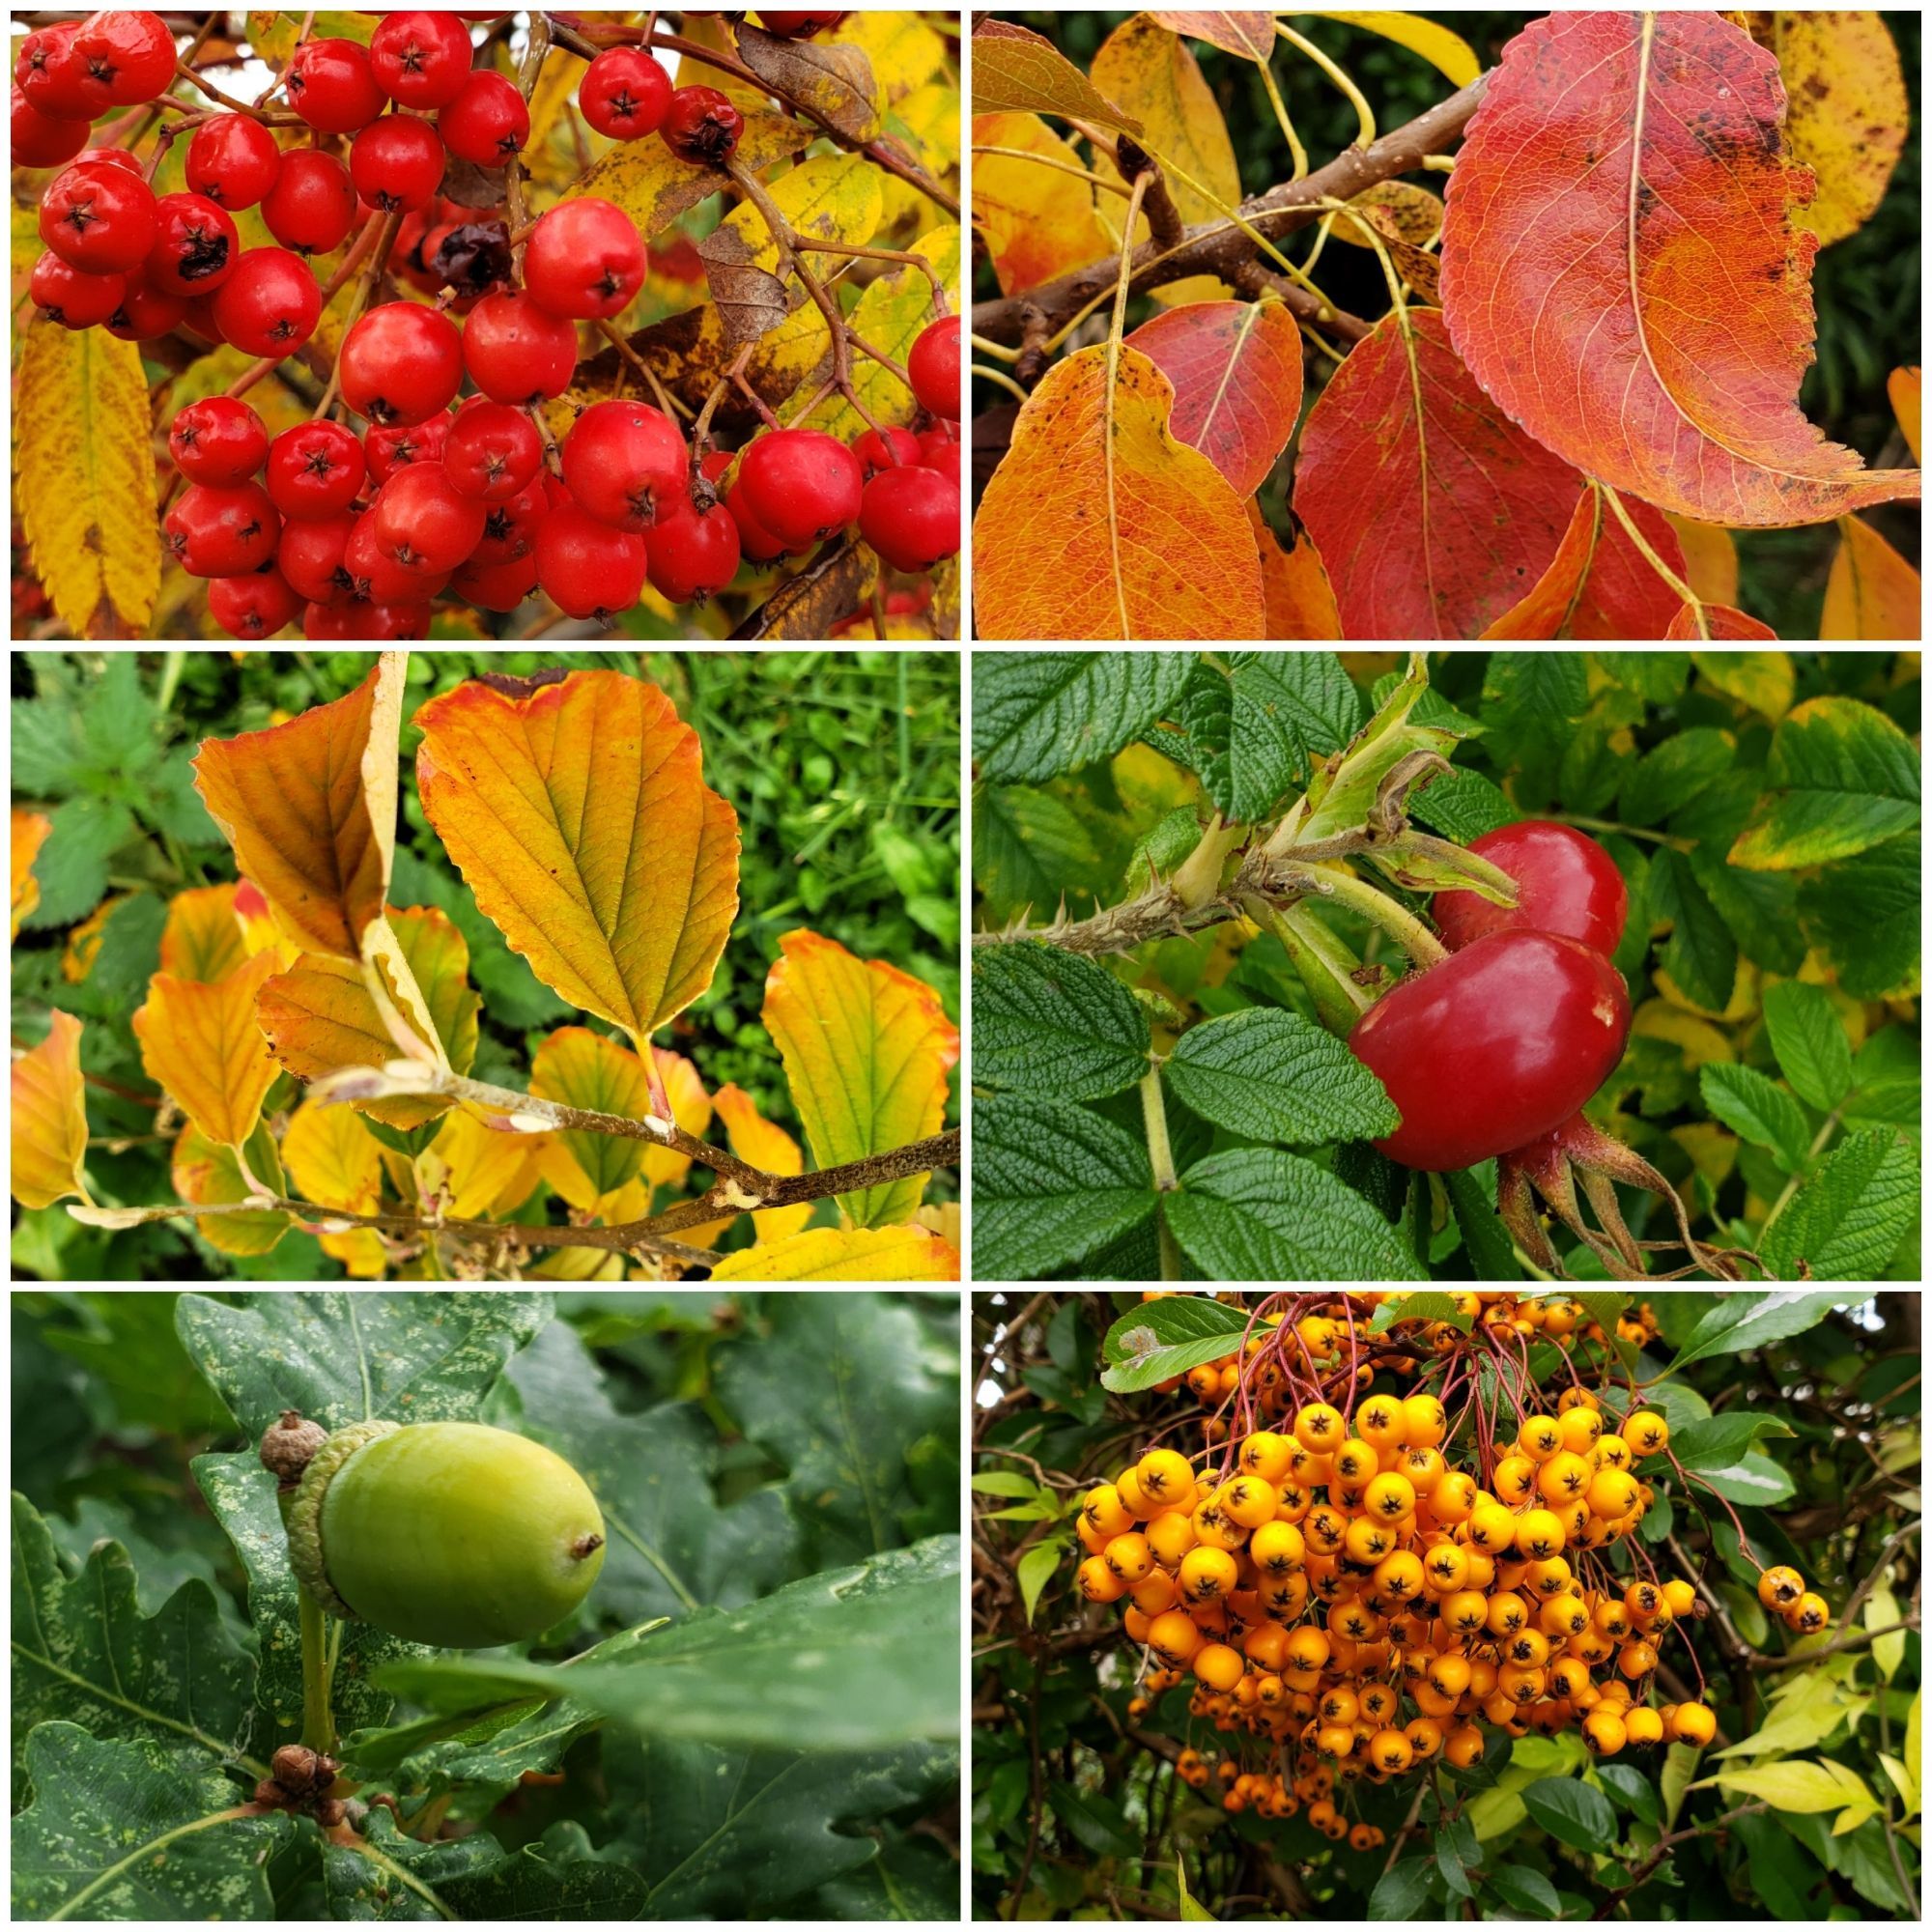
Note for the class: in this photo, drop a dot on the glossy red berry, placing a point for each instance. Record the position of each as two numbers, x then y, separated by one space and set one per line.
255 606
1565 883
510 527
755 541
401 363
797 26
939 449
269 306
585 259
42 140
146 312
397 163
222 529
497 586
134 54
516 350
99 220
55 78
623 462
396 447
691 554
1494 1045
383 579
801 484
312 205
218 440
701 127
876 452
934 368
424 522
359 623
314 470
588 568
488 121
233 160
310 556
493 450
195 246
911 517
331 85
422 59
624 94
108 158
64 295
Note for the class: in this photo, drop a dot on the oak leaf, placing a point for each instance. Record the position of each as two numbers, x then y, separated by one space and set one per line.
579 819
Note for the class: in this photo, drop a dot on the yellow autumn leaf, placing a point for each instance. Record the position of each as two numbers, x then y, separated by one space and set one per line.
49 1145
845 1254
202 1044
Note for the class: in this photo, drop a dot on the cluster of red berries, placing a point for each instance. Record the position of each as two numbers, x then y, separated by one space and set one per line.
1355 1604
358 534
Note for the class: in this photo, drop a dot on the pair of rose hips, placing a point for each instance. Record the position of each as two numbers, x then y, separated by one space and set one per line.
1503 1041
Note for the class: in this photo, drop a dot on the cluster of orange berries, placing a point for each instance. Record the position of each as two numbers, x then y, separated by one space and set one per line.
1336 1572
1552 1317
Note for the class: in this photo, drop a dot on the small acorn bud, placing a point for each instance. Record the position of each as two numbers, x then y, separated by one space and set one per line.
270 1795
300 1770
287 1445
329 1812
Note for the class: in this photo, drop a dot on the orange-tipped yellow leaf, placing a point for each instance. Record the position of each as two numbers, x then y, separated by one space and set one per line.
578 814
845 1254
202 939
867 1049
690 1108
310 809
483 1172
201 1043
49 1118
209 1174
576 1067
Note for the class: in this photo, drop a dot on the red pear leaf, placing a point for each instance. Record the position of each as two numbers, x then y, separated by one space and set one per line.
1250 35
1622 273
1432 511
1720 621
579 818
1235 367
1599 584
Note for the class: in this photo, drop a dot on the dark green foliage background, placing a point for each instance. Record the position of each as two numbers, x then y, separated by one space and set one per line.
1865 288
1113 1824
843 766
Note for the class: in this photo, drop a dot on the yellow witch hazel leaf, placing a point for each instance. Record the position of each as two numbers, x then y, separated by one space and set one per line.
208 1175
49 1118
336 1162
83 943
203 937
483 1173
201 1043
867 1049
845 1254
576 1067
690 1108
769 1147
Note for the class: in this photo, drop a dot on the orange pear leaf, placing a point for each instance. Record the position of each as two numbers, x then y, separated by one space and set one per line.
200 1042
1598 585
1433 512
1235 367
1300 600
867 1049
1622 271
30 833
767 1146
1872 593
845 1254
49 1118
320 1014
1720 621
1903 385
310 809
1101 522
203 939
209 1174
1036 221
1710 559
577 815
1397 211
576 1067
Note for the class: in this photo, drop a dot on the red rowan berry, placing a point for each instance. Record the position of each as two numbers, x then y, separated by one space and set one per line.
801 484
588 568
624 94
622 460
255 606
269 305
701 126
312 205
314 470
401 363
421 59
99 220
516 350
331 85
488 121
222 529
397 163
585 259
933 367
233 160
218 440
